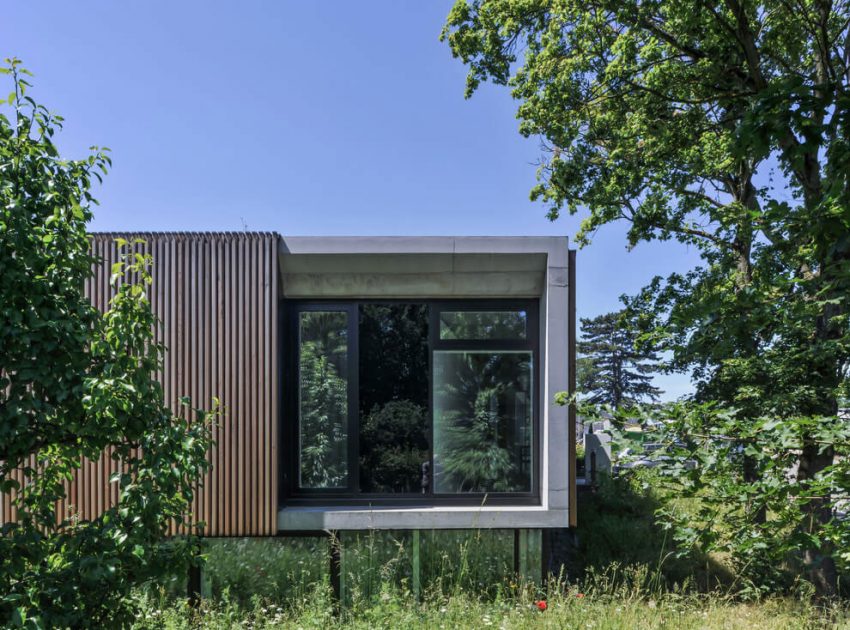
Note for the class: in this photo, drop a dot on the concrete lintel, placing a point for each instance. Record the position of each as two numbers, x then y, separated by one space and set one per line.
413 285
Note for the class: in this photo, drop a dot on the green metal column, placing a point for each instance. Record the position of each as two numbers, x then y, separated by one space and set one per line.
337 567
206 586
417 567
528 554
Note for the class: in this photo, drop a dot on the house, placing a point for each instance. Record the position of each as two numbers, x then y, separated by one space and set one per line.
367 382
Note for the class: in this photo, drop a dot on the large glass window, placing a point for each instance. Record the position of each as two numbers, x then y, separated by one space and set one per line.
414 401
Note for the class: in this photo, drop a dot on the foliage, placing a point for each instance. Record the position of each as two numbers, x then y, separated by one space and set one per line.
393 397
394 443
467 581
756 520
724 127
483 324
618 528
393 354
610 600
75 384
566 610
473 458
477 445
243 570
612 370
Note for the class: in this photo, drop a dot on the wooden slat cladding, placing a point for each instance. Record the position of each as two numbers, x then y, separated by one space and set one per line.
217 297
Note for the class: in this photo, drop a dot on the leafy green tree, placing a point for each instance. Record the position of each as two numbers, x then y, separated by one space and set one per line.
702 451
613 371
724 126
75 383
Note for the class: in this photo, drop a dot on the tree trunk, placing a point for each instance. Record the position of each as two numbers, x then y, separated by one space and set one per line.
819 563
826 376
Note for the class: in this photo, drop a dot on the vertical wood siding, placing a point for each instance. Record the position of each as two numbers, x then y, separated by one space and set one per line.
216 295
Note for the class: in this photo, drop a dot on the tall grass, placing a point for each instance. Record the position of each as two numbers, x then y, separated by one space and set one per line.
623 573
607 602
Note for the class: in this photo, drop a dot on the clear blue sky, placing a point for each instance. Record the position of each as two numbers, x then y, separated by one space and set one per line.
307 118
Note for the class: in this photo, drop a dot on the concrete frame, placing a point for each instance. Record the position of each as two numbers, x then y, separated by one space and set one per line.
448 267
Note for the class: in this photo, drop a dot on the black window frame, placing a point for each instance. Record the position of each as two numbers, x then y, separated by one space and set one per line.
291 495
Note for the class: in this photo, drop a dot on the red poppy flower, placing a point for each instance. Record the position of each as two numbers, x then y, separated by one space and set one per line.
541 605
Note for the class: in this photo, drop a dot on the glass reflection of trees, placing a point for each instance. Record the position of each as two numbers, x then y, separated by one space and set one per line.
482 422
393 390
323 399
483 324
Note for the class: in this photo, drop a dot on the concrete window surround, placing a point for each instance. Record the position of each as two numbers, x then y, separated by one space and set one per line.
448 267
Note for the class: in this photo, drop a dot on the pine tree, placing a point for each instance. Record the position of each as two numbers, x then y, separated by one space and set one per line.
612 370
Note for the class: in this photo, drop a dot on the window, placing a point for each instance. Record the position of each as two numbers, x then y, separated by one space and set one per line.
411 401
483 324
482 421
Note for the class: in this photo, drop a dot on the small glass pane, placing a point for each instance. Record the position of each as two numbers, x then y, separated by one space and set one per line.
482 422
483 324
323 399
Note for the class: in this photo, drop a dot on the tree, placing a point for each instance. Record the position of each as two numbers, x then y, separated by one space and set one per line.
723 125
75 383
612 370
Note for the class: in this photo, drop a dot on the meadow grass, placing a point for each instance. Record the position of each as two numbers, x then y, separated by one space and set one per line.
622 573
566 607
283 583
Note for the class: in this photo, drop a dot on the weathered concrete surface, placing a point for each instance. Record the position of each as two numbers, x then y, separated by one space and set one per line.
437 517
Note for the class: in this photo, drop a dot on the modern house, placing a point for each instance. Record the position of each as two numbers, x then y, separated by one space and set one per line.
378 382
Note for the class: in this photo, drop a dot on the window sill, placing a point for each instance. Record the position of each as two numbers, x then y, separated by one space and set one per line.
300 518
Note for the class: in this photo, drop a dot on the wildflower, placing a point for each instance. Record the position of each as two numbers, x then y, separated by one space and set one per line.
541 605
580 595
